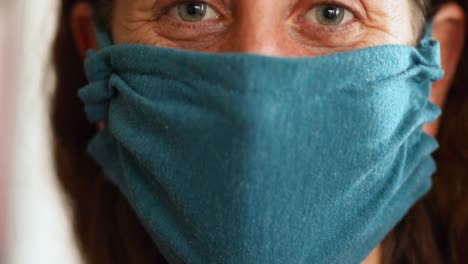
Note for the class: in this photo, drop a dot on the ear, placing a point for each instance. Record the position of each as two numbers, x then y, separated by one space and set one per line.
82 27
449 30
83 32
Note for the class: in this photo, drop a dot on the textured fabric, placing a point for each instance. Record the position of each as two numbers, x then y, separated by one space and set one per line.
237 158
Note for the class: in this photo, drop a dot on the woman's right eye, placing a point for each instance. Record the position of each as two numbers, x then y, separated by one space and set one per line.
193 12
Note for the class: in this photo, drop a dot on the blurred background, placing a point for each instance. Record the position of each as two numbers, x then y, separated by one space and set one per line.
34 224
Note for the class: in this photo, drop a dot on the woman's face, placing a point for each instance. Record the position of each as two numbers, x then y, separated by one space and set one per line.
291 28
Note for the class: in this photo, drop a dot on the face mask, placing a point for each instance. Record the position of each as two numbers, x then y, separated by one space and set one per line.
237 158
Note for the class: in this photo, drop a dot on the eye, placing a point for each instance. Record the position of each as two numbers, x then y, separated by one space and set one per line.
329 15
193 12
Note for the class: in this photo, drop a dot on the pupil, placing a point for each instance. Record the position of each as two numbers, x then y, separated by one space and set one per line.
195 9
331 12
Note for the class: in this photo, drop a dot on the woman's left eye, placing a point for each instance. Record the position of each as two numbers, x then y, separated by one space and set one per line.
329 15
193 12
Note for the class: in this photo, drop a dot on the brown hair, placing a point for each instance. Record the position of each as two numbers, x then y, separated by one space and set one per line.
435 230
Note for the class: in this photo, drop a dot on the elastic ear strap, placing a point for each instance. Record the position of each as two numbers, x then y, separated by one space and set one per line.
102 35
426 37
428 29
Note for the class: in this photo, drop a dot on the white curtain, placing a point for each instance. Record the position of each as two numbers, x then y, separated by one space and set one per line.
38 229
5 120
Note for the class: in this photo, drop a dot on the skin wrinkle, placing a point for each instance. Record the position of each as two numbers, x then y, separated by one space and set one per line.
134 22
386 21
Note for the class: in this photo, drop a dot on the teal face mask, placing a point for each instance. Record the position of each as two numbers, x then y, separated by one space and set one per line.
237 158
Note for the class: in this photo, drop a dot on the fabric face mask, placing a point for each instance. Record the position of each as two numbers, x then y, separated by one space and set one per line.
237 158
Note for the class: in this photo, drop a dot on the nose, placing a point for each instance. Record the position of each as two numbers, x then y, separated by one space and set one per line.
258 38
260 30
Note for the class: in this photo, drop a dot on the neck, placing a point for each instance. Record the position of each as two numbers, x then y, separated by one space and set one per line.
374 257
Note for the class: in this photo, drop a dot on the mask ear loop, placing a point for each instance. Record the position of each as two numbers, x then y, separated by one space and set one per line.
100 29
429 28
427 35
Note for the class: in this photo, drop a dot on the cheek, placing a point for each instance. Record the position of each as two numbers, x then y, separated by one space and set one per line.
433 128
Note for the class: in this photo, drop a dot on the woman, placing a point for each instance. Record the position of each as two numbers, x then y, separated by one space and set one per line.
435 230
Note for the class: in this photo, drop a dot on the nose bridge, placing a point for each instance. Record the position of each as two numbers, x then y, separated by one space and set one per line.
258 29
